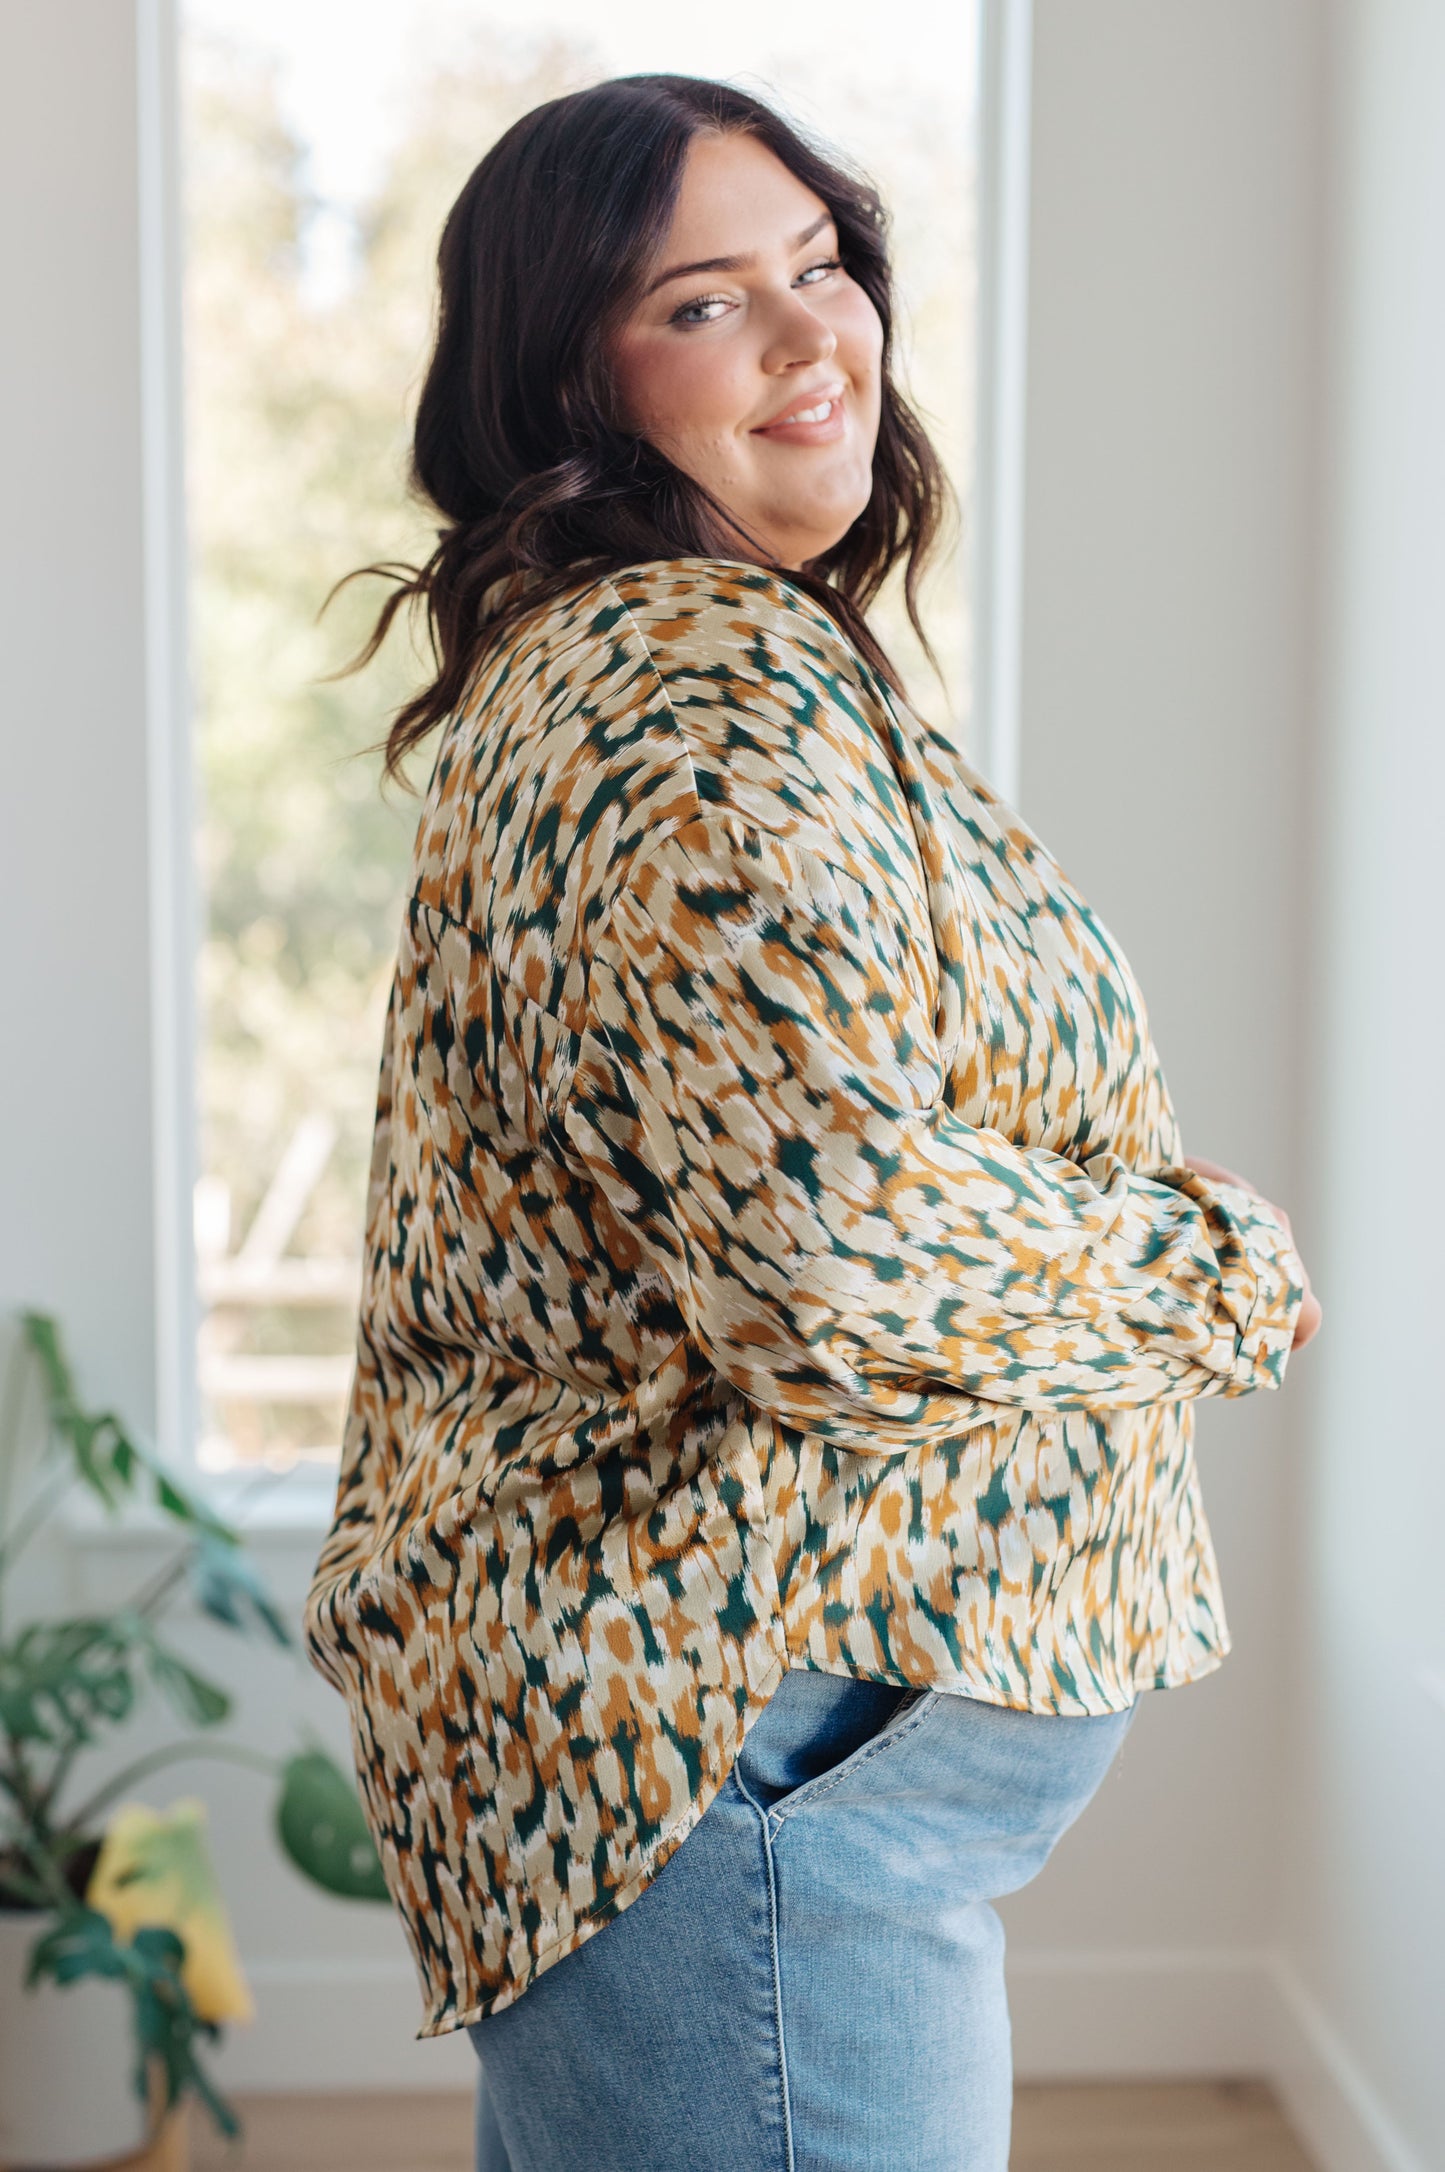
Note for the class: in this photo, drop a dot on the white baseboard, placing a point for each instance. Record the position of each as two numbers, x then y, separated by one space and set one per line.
1333 2108
1131 2015
339 2025
336 2025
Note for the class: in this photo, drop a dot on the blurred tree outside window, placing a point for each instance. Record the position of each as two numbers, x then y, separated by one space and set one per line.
317 169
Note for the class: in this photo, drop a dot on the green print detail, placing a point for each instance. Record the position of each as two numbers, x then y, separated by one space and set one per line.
994 1505
779 1254
798 1158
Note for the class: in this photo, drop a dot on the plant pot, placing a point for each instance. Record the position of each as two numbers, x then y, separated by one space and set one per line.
67 2061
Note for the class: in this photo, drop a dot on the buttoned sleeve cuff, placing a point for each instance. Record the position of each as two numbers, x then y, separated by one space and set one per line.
1261 1276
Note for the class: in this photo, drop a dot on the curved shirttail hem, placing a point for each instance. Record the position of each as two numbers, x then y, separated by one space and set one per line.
1207 1659
440 2022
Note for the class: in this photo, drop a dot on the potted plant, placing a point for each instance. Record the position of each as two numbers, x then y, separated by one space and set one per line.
64 1684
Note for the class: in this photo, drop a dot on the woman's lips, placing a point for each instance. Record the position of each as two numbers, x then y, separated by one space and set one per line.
814 419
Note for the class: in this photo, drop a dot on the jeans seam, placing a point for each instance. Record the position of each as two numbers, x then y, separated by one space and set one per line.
801 1797
765 1834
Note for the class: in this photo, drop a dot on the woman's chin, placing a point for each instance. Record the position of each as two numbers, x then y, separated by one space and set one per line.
809 532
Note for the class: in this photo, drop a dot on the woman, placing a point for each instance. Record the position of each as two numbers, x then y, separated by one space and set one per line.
768 1482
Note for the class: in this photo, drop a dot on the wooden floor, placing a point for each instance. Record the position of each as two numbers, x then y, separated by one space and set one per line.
1066 2127
1153 2127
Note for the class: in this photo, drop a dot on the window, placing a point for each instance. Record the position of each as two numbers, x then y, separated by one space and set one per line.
317 168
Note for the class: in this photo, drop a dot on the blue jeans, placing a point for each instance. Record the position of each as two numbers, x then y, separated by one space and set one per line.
814 1981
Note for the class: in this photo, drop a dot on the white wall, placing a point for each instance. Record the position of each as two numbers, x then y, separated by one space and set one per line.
1166 689
76 1174
1234 734
1365 1904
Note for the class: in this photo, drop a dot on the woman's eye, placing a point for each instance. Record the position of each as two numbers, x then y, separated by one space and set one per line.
707 308
702 311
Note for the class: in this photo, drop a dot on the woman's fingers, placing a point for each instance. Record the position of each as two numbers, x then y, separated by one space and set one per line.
1307 1323
1214 1172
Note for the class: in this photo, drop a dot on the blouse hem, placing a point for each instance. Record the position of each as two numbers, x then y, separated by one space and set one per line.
442 2020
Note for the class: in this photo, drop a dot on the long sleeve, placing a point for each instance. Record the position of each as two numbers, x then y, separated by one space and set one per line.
852 1256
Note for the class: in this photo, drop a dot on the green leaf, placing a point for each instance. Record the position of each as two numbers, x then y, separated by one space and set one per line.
190 1695
60 1680
43 1335
81 1943
184 1506
230 1589
103 1453
107 1459
160 1949
83 1433
321 1827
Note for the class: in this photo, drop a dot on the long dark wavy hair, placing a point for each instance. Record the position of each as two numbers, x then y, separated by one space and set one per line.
516 445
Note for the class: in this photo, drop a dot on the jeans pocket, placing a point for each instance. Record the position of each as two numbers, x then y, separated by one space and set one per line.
831 1730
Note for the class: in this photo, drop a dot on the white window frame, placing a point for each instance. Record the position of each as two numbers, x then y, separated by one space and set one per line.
1005 100
175 916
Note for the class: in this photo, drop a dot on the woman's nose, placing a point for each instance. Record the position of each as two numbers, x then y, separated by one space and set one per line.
799 335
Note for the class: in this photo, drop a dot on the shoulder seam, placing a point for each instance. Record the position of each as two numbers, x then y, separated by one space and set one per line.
661 684
682 822
419 905
604 585
722 818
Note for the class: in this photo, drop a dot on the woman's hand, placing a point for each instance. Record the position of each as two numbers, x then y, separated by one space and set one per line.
1307 1322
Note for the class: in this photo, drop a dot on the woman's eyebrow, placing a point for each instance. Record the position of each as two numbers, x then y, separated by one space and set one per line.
734 263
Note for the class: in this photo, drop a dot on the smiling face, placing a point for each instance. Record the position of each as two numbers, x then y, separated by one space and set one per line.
752 360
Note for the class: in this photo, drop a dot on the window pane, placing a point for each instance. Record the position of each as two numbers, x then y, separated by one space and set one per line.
318 168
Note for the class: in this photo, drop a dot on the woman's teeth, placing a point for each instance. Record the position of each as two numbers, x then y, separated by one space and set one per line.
814 414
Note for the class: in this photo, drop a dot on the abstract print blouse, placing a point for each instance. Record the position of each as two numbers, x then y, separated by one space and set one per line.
778 1255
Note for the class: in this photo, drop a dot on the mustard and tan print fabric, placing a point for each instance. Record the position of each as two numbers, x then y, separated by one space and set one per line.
778 1255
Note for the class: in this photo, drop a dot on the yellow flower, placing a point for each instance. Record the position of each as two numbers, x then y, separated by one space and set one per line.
154 1871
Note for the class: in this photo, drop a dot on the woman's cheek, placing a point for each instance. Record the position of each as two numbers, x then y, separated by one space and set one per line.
860 333
703 409
721 460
